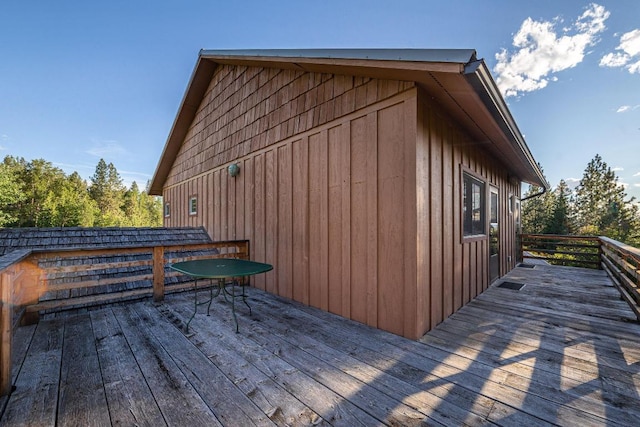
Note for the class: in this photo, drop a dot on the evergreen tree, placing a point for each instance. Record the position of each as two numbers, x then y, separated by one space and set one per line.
37 194
76 208
107 191
10 195
559 221
153 206
134 210
42 183
601 205
537 211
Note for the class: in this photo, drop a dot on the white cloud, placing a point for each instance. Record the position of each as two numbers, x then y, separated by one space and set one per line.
623 184
617 169
623 109
540 51
627 53
4 137
107 149
572 180
636 174
636 185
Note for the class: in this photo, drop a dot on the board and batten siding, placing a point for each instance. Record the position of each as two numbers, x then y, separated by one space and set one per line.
359 210
452 271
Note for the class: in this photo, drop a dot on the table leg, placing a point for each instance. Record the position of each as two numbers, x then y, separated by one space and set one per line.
233 308
195 306
244 299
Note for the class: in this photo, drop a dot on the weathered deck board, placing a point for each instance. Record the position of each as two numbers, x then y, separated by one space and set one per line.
130 399
383 407
478 379
558 352
81 399
179 402
274 400
35 398
229 404
324 401
21 341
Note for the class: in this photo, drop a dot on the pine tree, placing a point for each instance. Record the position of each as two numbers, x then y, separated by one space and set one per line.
601 208
559 219
537 211
107 191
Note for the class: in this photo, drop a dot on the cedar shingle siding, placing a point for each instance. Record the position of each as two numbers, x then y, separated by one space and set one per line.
113 268
38 239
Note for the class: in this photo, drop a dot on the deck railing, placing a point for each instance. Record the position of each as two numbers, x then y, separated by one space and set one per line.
43 282
620 261
573 251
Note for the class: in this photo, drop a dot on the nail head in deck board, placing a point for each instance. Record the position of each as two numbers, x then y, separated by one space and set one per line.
130 399
81 399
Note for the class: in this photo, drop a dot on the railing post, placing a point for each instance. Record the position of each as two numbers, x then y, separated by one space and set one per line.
158 273
6 334
600 253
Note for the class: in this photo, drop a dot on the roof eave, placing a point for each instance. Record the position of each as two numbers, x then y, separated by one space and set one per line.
197 87
479 77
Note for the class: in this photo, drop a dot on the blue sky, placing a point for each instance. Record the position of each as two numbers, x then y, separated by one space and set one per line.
83 80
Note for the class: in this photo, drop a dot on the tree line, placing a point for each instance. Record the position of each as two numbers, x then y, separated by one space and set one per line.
598 206
38 194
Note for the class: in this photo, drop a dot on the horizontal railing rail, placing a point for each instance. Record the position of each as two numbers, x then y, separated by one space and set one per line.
574 251
622 264
50 281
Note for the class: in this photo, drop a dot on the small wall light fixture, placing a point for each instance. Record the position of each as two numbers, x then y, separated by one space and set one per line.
234 170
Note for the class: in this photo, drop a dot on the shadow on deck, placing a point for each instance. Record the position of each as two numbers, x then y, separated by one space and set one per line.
563 350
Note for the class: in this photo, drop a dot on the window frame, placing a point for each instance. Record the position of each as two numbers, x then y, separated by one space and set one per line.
193 205
483 235
167 209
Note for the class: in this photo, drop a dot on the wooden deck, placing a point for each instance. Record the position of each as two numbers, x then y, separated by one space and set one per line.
561 351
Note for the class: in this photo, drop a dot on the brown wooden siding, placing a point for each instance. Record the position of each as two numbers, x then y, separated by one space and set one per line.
359 209
246 109
451 271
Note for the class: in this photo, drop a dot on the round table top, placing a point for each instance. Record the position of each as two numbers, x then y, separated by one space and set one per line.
220 268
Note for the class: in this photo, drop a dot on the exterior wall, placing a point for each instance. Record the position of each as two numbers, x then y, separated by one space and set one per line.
350 187
246 109
451 270
328 203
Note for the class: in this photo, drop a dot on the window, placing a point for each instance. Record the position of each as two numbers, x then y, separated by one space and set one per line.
493 214
167 210
473 206
193 206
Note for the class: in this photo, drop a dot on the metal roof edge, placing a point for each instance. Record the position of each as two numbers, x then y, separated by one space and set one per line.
461 56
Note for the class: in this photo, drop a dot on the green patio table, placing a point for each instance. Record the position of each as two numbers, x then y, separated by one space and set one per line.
219 270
